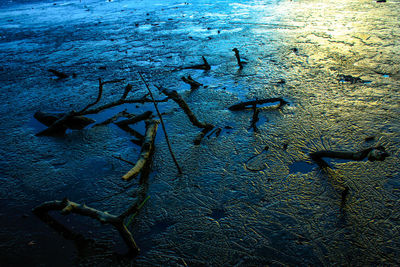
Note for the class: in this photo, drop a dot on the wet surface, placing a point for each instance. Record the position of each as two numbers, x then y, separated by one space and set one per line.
336 62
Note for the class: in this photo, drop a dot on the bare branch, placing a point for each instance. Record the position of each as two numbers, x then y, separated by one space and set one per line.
146 151
163 125
66 207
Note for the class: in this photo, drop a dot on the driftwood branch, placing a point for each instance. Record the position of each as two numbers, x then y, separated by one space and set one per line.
99 95
179 100
146 150
66 207
372 154
204 66
255 118
250 104
125 125
162 125
75 120
239 62
193 84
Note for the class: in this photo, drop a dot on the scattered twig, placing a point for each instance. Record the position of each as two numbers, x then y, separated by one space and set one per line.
122 114
162 125
60 75
179 100
146 151
204 66
239 62
250 104
193 84
99 95
66 207
125 125
124 160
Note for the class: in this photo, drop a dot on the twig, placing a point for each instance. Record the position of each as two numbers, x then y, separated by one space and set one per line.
135 213
238 57
255 118
162 125
124 160
119 102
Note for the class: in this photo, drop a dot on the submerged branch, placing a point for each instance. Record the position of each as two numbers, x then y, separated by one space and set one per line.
239 62
204 66
255 118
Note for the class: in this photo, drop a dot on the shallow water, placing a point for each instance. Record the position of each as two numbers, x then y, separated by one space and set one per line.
285 210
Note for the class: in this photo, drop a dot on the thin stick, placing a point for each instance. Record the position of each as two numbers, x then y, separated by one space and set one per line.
99 95
124 160
162 124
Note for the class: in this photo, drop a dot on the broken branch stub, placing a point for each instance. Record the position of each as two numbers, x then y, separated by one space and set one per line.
239 62
193 84
66 207
146 150
179 100
250 104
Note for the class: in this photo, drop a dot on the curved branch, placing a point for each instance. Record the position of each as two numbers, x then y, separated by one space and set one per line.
66 207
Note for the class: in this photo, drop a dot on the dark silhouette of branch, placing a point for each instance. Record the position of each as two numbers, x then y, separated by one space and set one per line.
162 125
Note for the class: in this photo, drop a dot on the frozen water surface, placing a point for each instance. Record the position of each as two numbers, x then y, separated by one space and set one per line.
285 210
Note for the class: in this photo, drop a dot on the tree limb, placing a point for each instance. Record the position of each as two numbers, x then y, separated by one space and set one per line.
66 207
146 151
